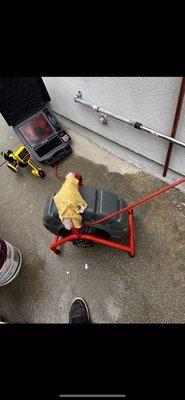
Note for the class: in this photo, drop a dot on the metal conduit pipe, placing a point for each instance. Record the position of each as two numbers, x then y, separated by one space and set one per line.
175 124
135 124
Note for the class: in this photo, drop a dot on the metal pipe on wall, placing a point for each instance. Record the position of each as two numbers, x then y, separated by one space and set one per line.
134 124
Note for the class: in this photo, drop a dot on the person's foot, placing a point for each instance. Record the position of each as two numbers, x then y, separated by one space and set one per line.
1 318
79 313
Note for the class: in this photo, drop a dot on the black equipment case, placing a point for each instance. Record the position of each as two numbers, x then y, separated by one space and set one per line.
24 104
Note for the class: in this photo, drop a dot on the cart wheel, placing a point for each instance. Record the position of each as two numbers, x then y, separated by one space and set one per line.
131 255
12 167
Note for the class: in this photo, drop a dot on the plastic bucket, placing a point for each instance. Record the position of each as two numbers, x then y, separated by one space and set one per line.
10 262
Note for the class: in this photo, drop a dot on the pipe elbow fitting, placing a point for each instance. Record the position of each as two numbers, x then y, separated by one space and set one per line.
78 96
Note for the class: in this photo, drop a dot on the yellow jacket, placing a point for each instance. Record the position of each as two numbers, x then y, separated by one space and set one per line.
69 202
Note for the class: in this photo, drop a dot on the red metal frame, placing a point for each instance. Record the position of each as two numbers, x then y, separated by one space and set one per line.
119 246
58 241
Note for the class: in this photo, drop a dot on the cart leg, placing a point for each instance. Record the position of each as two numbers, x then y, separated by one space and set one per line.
54 244
56 251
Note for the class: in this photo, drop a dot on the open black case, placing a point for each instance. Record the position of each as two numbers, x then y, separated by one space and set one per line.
24 104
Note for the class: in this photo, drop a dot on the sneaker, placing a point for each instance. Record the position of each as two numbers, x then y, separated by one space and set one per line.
79 313
2 321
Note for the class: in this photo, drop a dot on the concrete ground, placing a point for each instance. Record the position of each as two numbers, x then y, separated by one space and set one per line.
149 288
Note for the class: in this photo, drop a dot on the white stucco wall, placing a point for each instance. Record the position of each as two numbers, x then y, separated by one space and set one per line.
149 100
